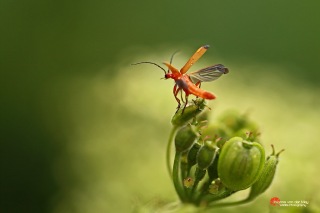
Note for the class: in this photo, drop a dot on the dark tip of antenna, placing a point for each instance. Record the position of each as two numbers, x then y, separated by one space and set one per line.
206 46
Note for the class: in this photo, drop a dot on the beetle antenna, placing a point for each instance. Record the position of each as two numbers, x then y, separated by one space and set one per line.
148 62
171 59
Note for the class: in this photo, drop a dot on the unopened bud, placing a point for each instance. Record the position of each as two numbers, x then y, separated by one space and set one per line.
248 134
185 138
235 121
206 155
266 176
219 132
183 116
240 163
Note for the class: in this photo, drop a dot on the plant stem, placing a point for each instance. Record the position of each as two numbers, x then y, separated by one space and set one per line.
230 203
214 197
170 140
176 177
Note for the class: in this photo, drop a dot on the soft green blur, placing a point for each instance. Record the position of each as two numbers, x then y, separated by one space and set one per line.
83 131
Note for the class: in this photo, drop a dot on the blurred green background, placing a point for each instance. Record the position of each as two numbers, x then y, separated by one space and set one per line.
83 131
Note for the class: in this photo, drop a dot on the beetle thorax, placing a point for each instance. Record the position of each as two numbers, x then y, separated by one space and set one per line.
172 75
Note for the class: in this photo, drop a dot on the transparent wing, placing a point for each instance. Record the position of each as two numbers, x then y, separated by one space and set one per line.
209 73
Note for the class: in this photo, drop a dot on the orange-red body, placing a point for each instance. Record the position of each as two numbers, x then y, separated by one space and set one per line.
183 82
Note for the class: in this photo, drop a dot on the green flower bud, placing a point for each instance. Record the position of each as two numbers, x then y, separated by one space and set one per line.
219 132
240 163
192 155
206 155
248 134
180 119
185 138
235 121
266 176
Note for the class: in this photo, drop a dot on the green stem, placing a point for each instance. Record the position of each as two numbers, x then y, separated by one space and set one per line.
214 197
168 156
176 178
199 176
217 205
193 190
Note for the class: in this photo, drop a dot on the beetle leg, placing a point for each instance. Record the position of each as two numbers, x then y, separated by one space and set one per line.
181 96
185 104
198 84
175 93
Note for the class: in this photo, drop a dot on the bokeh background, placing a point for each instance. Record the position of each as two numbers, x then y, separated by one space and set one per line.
83 131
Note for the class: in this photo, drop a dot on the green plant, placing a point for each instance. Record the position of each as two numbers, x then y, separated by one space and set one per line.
215 160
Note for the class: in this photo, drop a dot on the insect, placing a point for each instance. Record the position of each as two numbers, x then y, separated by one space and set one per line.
190 83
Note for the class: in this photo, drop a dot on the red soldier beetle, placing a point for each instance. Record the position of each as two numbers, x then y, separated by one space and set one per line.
190 83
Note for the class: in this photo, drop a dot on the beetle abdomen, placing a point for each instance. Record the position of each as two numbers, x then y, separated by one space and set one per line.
201 93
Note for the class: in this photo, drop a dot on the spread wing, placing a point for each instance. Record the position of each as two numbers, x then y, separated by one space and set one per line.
195 57
209 73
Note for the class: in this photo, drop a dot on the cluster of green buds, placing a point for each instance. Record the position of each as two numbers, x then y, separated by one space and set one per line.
214 161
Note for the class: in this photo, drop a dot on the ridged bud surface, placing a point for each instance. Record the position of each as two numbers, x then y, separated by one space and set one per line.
240 163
